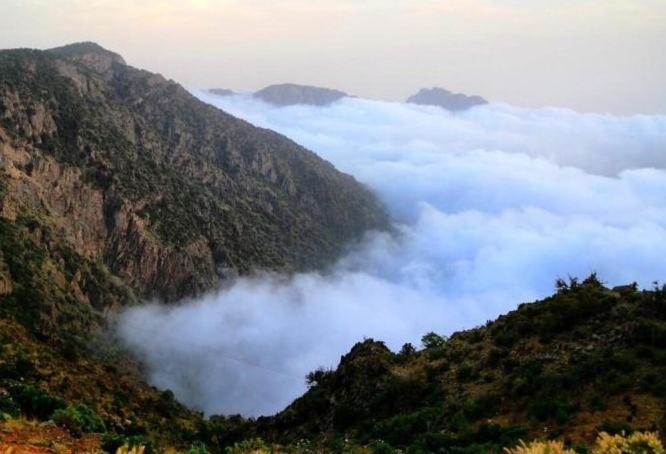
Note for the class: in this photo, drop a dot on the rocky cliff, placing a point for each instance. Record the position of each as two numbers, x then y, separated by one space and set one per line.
117 178
445 99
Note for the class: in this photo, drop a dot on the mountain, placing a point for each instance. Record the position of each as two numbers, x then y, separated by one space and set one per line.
445 99
164 192
221 91
290 94
118 186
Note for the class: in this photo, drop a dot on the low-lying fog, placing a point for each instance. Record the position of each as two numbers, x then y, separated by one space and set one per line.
492 204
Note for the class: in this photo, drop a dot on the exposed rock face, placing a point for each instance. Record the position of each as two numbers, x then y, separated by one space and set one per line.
445 99
221 91
291 94
150 190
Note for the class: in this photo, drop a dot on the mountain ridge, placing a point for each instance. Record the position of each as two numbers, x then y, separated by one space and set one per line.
232 173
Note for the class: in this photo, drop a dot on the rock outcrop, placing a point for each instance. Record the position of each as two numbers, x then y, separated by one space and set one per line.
445 99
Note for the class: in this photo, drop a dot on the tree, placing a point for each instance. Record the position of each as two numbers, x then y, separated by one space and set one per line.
433 340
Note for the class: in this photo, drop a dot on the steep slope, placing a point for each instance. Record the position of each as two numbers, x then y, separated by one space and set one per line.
291 94
445 99
166 192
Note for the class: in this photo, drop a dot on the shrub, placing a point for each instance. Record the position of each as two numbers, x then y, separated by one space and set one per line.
381 447
481 407
494 357
197 448
131 450
252 446
318 377
37 403
79 419
113 442
540 447
554 409
465 373
8 406
636 443
407 351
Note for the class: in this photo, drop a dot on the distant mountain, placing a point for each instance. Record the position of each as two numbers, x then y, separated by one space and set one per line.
443 98
291 94
221 91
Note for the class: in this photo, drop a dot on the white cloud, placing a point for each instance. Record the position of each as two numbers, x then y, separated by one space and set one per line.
491 204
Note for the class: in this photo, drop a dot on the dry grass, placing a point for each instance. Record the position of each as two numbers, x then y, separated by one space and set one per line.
636 443
540 447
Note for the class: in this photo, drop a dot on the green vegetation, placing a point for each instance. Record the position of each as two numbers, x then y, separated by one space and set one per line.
79 419
581 358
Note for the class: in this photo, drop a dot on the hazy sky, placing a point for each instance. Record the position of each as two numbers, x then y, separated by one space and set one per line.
591 55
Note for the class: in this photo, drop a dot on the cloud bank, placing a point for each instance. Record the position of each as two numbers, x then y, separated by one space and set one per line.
491 205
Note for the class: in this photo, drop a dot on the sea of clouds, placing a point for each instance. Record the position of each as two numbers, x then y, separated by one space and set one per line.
491 205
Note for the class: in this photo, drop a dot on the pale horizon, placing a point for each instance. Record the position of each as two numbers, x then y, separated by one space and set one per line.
587 55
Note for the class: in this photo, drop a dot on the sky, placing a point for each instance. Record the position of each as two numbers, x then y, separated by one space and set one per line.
603 56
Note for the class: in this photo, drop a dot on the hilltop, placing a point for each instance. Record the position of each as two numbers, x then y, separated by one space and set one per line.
585 360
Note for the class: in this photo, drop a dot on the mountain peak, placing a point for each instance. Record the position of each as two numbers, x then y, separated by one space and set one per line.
90 54
290 94
446 99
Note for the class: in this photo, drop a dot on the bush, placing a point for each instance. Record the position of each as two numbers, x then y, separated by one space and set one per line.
252 446
481 407
37 403
554 409
131 450
381 447
318 377
8 406
407 351
79 419
198 448
540 447
112 442
465 373
636 443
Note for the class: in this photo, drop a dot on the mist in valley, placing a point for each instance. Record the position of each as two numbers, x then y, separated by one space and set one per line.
489 205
